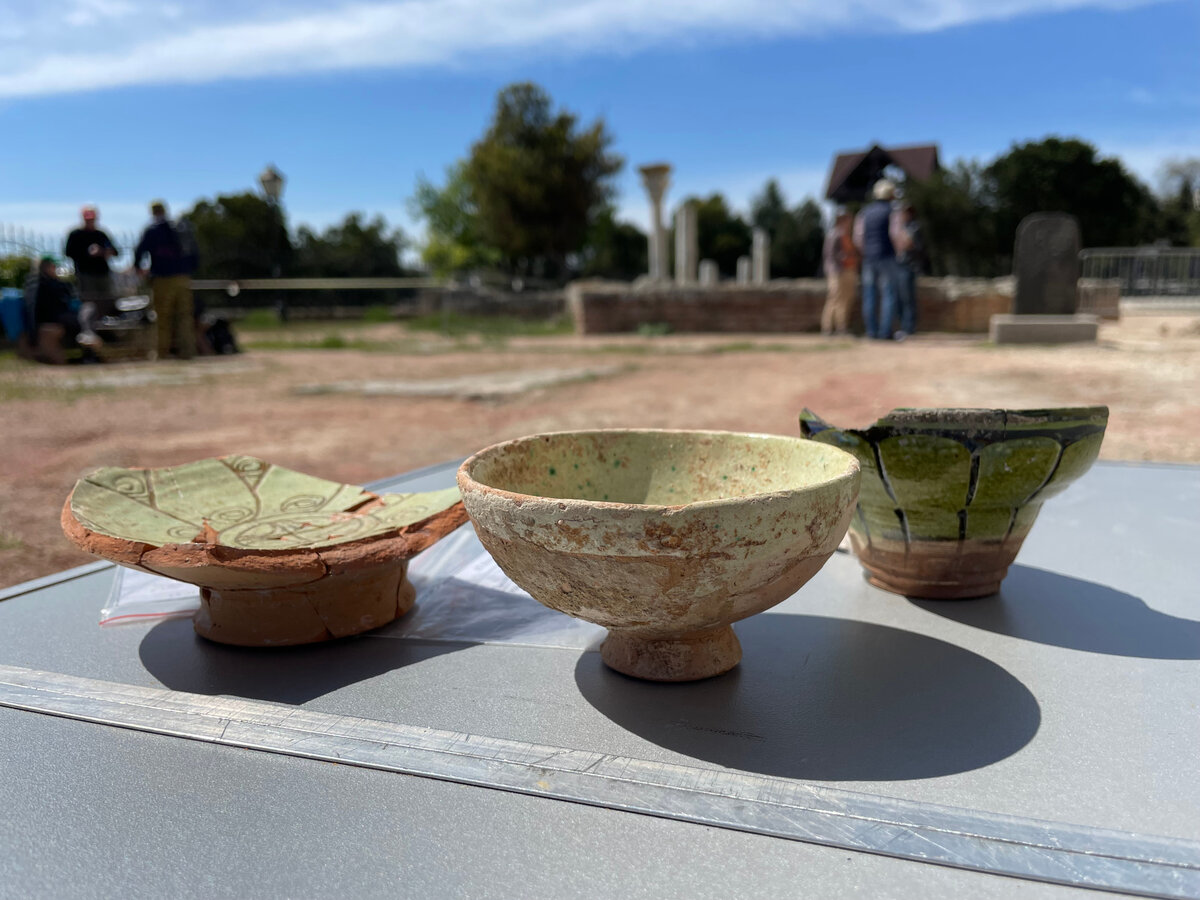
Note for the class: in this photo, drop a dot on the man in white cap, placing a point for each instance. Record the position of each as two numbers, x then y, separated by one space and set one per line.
880 272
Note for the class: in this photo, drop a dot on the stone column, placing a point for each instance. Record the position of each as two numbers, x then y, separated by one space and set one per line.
710 275
743 270
687 245
656 179
761 252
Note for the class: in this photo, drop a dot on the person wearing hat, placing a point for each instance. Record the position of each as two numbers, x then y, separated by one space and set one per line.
172 260
873 229
90 249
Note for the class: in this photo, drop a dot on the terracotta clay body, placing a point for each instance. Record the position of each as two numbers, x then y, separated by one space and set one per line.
280 557
663 537
948 495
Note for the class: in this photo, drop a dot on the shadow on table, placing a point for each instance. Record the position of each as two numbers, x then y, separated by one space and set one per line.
174 654
1048 608
830 699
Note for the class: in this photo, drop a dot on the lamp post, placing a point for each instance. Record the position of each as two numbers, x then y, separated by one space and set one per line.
272 181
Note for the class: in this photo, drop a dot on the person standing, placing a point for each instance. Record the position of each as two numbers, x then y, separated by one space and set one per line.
90 249
880 272
172 260
911 260
841 273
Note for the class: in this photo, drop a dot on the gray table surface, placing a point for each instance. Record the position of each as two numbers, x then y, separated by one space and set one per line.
1072 696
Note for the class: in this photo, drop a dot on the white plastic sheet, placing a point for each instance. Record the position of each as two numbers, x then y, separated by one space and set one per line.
461 596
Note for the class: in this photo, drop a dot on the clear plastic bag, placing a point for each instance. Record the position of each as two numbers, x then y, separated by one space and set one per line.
461 596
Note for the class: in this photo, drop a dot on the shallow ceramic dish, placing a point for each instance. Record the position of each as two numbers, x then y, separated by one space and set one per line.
280 557
662 537
948 495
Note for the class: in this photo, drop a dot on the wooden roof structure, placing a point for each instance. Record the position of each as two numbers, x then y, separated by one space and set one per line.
854 173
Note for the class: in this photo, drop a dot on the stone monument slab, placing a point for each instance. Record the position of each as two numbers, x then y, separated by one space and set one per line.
1046 264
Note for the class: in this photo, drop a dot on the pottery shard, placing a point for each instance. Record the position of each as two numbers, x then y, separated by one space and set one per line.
306 613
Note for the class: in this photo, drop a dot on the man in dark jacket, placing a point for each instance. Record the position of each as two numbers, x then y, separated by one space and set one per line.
90 249
172 261
880 272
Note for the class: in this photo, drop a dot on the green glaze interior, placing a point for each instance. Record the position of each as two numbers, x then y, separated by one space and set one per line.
659 468
251 504
950 474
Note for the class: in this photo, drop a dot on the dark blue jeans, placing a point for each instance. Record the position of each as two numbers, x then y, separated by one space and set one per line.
906 297
880 280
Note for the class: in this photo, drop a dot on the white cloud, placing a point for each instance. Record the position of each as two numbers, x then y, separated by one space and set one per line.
112 43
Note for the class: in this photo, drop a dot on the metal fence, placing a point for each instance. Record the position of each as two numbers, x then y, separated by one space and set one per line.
1146 271
17 241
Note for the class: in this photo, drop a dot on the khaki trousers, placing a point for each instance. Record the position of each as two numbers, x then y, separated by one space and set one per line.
843 292
176 319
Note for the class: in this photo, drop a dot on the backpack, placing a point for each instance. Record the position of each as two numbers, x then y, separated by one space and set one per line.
189 252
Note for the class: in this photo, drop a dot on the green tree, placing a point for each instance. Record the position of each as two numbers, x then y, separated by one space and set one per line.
240 236
955 210
352 249
14 269
613 249
797 235
722 235
1067 175
537 178
452 239
1178 193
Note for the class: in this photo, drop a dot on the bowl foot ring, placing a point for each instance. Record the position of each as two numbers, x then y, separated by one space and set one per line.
333 607
685 657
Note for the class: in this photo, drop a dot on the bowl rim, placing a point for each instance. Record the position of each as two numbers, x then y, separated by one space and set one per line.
468 484
966 418
401 542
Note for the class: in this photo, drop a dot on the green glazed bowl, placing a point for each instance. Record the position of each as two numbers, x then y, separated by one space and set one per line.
662 537
948 495
280 557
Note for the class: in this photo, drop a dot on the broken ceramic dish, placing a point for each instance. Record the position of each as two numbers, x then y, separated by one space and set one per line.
281 557
662 537
948 495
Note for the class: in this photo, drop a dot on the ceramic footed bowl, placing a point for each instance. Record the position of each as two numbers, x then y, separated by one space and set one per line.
280 557
662 537
948 495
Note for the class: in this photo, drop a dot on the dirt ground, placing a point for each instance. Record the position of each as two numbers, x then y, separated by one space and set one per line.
57 424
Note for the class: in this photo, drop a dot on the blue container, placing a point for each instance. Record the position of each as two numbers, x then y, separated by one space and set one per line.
12 312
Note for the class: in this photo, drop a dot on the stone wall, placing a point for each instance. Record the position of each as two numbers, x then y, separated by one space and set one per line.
943 304
1099 297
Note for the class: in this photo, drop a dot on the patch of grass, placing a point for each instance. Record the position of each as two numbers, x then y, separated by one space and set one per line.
259 319
12 389
10 542
752 347
377 313
491 327
330 341
653 329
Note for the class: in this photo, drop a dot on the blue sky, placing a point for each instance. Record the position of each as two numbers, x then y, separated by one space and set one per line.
118 101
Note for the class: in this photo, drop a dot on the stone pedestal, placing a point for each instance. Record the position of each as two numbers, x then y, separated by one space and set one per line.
743 270
687 245
760 250
710 275
1042 329
655 179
